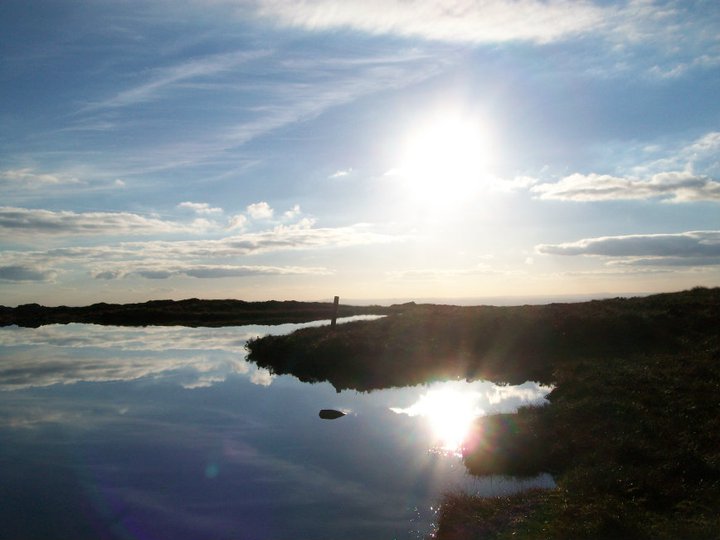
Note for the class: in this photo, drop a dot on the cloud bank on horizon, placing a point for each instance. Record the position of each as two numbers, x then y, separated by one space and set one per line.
264 149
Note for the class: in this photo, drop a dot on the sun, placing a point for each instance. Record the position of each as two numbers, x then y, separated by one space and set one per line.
445 158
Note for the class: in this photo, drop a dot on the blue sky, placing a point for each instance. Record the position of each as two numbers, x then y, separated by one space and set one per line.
387 149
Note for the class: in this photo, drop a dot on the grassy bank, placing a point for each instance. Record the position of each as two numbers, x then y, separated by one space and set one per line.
634 444
632 430
417 343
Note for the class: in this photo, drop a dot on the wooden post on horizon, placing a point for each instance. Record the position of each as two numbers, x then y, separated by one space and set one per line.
335 310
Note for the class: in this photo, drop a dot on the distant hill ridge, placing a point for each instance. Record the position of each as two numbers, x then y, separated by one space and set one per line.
189 312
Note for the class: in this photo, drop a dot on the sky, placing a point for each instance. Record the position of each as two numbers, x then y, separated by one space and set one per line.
375 150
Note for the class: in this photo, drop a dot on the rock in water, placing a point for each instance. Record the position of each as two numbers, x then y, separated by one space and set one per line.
330 414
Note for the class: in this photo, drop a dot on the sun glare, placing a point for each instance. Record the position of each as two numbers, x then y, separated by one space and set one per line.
450 414
445 158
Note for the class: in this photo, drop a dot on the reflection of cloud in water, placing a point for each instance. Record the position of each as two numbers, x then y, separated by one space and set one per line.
43 366
480 397
262 377
149 338
191 357
451 407
513 396
156 338
66 354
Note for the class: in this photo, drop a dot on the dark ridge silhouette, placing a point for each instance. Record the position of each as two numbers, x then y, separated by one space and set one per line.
190 312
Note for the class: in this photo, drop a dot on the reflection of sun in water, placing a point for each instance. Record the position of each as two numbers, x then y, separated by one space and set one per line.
446 158
450 414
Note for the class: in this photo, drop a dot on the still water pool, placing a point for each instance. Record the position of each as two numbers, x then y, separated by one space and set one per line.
168 432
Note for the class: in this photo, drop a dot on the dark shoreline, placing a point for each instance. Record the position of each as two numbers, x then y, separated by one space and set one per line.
190 312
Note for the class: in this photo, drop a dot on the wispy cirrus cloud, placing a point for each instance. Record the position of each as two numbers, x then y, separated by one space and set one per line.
692 248
463 21
678 69
290 87
700 154
628 27
162 79
314 85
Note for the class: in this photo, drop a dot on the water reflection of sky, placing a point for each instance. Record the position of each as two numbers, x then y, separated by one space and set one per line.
57 354
167 432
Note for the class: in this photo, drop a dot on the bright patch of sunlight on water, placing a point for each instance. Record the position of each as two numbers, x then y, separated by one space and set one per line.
451 408
450 413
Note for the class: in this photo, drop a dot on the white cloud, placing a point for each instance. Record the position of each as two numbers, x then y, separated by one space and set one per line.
464 21
670 178
205 259
260 210
292 213
693 248
203 225
200 208
303 235
300 236
238 221
341 173
673 186
37 222
208 271
29 179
